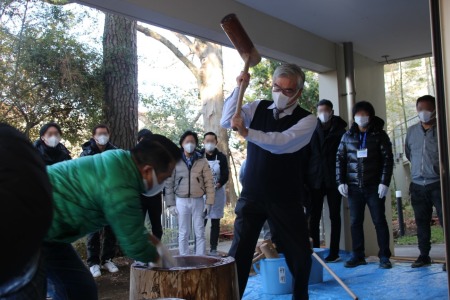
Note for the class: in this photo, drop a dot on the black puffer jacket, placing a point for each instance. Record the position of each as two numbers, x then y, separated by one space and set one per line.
362 172
52 155
322 162
90 148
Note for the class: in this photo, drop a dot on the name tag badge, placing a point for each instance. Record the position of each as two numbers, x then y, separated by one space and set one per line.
361 153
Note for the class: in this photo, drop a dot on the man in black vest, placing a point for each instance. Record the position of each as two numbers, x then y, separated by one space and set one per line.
278 135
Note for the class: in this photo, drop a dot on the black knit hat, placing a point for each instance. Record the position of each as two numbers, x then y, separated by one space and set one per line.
364 106
25 199
44 128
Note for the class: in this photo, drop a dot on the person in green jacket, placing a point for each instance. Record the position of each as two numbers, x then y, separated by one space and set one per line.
94 191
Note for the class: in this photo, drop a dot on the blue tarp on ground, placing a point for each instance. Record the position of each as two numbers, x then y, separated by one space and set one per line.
369 282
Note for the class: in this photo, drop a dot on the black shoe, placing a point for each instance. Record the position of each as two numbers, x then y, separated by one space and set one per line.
354 262
332 258
385 263
421 261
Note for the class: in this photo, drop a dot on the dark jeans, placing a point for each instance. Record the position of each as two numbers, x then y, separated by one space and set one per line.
35 289
357 199
289 222
423 197
108 246
334 199
215 230
67 275
153 206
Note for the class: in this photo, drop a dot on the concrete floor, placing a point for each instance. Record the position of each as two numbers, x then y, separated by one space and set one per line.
437 250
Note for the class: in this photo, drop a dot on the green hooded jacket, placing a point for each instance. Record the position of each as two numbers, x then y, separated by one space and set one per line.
94 191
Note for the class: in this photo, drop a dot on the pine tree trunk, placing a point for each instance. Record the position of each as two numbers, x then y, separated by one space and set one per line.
120 77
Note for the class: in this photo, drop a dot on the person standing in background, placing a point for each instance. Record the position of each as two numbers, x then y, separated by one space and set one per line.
322 175
219 167
49 144
190 181
421 149
364 166
102 241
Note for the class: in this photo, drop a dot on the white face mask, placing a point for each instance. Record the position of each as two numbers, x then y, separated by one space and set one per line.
156 188
102 139
52 141
362 121
425 116
280 100
324 117
210 147
189 147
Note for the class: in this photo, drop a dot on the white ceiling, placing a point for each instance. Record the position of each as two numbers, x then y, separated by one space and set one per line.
398 28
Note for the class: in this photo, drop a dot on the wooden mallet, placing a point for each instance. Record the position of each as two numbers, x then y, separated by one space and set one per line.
244 45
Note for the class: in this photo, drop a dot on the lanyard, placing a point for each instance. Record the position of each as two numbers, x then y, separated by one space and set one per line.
362 140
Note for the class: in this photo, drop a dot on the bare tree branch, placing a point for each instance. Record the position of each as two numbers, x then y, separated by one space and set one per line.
148 32
199 114
187 42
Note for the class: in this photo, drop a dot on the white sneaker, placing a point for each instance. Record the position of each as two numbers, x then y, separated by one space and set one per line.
110 266
95 271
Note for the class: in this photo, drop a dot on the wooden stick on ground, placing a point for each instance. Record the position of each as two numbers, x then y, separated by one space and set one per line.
346 288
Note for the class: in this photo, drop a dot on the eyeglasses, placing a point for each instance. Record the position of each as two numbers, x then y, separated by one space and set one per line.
287 92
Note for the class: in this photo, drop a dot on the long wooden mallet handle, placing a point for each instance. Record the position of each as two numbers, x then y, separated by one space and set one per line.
346 288
258 258
242 89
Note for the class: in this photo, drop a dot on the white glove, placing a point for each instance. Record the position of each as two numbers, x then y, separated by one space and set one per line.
207 209
343 189
173 210
382 190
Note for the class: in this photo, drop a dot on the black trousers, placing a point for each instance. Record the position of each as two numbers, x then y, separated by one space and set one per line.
153 206
358 199
288 220
423 198
107 247
67 276
334 199
215 230
35 288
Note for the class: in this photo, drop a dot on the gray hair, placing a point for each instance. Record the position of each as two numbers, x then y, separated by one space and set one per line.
292 71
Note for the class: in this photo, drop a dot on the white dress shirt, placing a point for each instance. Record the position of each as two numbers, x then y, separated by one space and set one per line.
289 141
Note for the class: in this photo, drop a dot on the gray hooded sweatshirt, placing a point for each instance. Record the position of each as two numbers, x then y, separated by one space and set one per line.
421 149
